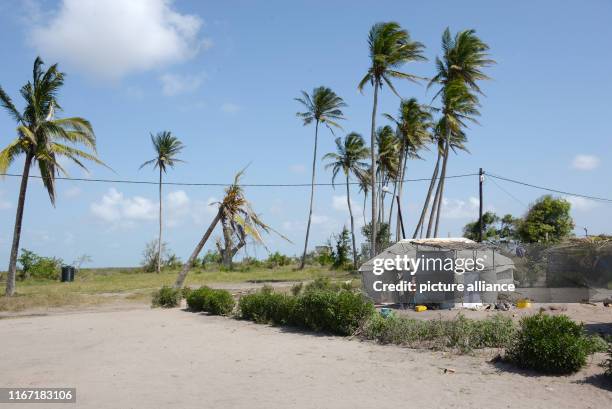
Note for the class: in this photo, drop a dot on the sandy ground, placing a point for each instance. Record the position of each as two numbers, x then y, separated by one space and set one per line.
143 358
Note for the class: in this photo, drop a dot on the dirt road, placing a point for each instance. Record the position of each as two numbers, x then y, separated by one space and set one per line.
152 359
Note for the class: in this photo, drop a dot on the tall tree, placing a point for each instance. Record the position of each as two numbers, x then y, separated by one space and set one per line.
166 147
348 158
241 219
459 72
42 139
388 145
323 106
413 124
390 48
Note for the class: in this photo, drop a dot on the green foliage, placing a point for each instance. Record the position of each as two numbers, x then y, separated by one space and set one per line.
38 267
607 364
211 257
460 333
342 250
550 344
166 297
337 312
172 262
277 259
215 302
548 220
383 238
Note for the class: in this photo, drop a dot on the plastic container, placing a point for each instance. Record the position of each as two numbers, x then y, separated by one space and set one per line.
420 308
523 304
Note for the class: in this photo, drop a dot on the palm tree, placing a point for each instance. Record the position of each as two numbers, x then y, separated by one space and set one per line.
42 139
166 148
322 107
348 157
240 216
390 48
459 71
413 127
388 145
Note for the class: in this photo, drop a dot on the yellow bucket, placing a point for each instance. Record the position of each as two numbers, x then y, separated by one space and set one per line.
420 308
523 304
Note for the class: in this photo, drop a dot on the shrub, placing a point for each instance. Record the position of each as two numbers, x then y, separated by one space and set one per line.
216 302
338 312
38 267
166 297
550 344
461 333
607 364
185 291
277 259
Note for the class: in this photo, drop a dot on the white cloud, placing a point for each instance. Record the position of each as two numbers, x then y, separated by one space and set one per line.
230 107
4 203
112 38
114 207
72 192
320 219
173 84
297 168
340 203
581 204
119 210
461 209
585 162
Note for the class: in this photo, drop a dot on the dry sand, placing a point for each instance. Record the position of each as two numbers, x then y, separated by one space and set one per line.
149 359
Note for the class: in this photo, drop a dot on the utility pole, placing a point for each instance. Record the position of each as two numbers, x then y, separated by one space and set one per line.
480 226
399 215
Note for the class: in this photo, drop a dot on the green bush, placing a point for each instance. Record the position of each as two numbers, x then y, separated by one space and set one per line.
38 267
460 333
550 344
338 312
216 302
607 364
166 297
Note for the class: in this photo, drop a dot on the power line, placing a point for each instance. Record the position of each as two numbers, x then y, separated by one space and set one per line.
508 193
146 182
600 199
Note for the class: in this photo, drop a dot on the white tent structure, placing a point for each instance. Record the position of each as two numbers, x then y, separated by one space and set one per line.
496 269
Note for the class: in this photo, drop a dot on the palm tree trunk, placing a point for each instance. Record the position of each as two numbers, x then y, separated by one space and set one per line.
159 240
363 211
374 223
180 279
312 189
434 177
227 252
399 184
12 269
442 180
348 200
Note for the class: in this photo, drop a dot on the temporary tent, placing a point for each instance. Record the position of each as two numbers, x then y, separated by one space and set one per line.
496 269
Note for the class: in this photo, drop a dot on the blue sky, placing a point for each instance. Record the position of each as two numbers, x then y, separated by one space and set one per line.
222 77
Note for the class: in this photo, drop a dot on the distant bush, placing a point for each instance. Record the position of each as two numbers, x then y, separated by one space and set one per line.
166 297
460 333
38 267
338 312
216 302
550 344
277 259
607 364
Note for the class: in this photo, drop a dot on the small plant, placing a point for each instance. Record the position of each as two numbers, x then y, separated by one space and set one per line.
277 259
296 289
166 297
216 302
342 251
607 364
550 344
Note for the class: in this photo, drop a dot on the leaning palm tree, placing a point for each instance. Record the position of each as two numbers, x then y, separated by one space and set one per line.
240 216
166 148
413 127
323 106
348 158
390 48
459 71
42 139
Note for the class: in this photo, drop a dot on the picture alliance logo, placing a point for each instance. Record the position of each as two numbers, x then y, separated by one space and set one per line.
404 263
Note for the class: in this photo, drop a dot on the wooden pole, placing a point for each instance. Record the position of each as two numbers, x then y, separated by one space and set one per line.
480 226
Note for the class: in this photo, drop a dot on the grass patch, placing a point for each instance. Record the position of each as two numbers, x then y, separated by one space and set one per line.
94 286
460 333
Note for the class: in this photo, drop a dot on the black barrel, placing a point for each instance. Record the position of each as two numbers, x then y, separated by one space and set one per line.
72 272
65 274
